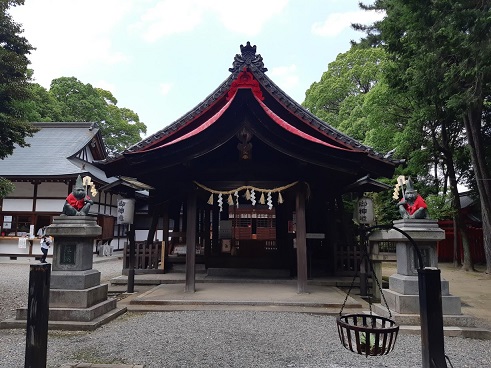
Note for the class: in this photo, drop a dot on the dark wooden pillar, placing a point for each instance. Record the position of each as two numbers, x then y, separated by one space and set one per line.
301 241
165 237
207 238
153 226
190 242
37 316
215 222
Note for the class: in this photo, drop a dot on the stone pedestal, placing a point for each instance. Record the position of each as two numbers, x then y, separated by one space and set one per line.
403 294
77 299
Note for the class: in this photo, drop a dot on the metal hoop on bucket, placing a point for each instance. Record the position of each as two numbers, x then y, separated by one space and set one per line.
367 334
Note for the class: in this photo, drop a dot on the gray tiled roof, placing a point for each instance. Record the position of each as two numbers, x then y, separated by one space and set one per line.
50 151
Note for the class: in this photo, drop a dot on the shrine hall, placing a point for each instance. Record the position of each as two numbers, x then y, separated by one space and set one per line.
252 180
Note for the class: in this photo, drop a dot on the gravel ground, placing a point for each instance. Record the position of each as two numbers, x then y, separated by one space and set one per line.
211 338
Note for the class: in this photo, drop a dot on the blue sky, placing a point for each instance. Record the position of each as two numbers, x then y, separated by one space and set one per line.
161 58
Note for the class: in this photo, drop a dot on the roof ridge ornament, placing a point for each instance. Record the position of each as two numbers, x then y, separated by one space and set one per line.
245 79
248 57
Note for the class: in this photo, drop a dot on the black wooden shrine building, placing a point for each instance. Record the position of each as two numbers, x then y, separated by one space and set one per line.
253 179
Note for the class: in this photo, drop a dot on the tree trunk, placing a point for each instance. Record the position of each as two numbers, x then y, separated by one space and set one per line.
456 251
472 121
459 221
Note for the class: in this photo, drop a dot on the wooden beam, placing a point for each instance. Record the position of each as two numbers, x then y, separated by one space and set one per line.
191 242
301 241
165 236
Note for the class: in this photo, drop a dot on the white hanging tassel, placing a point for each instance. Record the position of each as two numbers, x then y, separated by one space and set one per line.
236 194
220 202
230 200
210 200
280 198
261 200
253 197
270 201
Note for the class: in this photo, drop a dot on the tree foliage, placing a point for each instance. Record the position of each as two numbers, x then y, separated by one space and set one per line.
14 86
441 53
70 100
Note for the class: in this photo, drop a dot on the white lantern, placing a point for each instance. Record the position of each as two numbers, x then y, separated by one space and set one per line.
364 211
126 211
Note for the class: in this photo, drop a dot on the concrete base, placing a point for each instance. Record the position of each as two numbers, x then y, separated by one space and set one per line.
69 325
59 298
250 272
410 319
408 285
75 280
74 314
407 304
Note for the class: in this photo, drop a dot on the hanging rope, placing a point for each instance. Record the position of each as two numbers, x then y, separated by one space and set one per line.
247 188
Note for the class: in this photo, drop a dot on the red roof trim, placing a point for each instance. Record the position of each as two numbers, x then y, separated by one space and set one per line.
200 128
290 128
245 79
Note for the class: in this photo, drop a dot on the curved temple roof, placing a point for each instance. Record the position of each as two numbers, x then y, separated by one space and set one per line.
248 72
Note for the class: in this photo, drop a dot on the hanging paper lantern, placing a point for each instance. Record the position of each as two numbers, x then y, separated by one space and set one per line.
210 200
280 198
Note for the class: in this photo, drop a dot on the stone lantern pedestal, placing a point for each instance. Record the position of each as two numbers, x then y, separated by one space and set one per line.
77 300
403 294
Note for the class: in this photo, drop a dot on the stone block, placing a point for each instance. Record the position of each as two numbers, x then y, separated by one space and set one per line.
78 298
74 314
408 285
409 304
75 280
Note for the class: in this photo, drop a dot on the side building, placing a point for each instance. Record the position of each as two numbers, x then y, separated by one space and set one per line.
44 173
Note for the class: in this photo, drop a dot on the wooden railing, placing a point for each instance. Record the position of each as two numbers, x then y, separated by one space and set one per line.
147 257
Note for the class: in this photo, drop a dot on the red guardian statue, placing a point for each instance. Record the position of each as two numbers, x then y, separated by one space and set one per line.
78 202
412 205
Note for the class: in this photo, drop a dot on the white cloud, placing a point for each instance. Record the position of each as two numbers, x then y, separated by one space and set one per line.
338 22
237 16
285 77
170 17
108 86
70 34
165 88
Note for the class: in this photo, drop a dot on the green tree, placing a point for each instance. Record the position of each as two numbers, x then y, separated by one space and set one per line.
42 106
120 127
442 55
339 96
14 87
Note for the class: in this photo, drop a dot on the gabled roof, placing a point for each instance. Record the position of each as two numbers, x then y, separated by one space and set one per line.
288 122
57 150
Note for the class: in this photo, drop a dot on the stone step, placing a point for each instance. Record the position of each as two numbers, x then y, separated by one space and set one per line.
250 273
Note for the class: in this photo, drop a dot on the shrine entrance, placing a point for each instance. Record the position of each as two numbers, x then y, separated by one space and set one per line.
249 135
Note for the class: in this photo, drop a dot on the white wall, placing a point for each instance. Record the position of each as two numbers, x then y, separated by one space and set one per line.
50 205
17 205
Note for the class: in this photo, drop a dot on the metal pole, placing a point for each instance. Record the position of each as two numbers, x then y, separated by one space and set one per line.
37 316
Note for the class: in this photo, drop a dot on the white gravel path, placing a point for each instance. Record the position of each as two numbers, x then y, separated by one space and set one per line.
211 338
